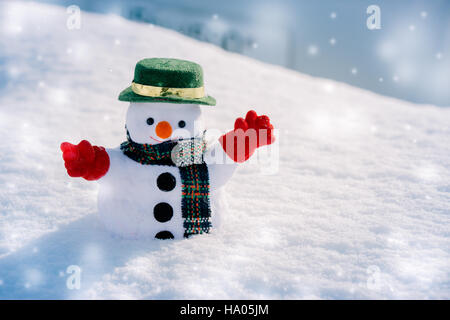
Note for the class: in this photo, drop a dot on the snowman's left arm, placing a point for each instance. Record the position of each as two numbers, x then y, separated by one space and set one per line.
249 134
238 145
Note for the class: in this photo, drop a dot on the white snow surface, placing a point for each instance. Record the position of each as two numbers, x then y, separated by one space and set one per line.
359 207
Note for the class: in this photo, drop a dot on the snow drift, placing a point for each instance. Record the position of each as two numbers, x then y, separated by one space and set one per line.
358 208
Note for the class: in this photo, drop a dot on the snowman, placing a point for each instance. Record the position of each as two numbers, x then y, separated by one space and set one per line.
165 181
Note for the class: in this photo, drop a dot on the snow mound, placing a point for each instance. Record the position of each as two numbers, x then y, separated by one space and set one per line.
358 208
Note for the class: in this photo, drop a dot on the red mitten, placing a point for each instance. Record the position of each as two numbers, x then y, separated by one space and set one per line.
250 133
85 160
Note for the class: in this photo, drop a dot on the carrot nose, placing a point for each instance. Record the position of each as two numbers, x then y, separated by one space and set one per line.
163 130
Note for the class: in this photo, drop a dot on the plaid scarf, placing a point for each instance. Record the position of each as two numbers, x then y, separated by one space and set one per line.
187 155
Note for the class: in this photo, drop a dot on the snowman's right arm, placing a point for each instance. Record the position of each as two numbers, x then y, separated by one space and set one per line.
84 160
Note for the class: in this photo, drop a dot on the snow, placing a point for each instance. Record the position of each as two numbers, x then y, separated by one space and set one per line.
358 208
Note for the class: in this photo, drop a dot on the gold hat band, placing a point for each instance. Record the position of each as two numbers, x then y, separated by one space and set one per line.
152 91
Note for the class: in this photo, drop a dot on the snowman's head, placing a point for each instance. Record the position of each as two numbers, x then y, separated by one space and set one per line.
153 123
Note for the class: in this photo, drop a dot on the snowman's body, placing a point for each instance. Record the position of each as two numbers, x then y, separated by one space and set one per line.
140 201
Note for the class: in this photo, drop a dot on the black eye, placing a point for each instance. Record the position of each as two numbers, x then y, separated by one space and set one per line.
150 121
181 124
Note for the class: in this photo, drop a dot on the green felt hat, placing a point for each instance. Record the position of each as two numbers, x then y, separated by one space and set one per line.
167 80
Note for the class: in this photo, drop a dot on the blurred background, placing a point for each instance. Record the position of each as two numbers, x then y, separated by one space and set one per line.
407 58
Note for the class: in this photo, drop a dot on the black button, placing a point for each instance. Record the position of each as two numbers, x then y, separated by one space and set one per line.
166 181
163 212
163 235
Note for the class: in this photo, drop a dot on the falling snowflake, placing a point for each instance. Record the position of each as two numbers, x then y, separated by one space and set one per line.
333 15
380 79
439 55
215 16
332 41
396 78
329 87
313 50
424 14
13 71
354 71
412 27
58 96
